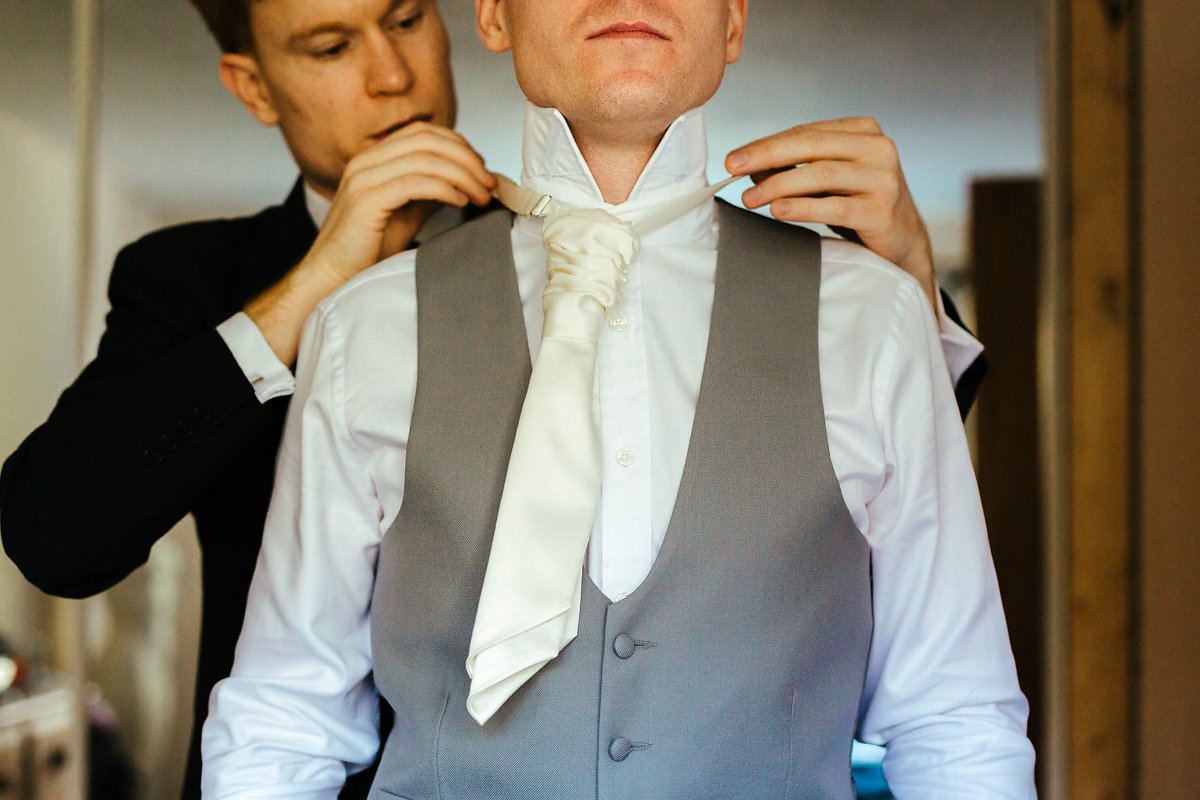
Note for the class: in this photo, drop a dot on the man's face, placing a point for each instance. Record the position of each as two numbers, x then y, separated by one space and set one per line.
634 64
339 75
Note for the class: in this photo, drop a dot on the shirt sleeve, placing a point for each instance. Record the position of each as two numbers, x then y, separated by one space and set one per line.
269 376
299 711
941 692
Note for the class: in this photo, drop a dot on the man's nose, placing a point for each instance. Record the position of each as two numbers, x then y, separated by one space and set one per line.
387 68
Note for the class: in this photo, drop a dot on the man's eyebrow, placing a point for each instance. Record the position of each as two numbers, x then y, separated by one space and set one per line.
300 37
395 5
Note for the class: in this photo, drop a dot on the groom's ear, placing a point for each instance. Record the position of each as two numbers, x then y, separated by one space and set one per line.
491 19
736 37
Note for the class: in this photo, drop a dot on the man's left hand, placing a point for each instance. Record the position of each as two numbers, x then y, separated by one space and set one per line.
846 174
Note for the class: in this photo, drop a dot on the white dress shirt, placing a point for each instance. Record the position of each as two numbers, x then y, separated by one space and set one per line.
941 691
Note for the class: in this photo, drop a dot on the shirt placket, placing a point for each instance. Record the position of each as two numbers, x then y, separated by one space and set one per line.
625 520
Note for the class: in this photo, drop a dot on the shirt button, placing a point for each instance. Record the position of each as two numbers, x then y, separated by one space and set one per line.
618 324
621 597
625 457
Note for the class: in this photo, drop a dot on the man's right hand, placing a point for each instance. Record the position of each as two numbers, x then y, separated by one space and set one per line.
385 195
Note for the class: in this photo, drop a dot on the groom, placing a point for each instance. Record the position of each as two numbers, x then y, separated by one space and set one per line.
783 544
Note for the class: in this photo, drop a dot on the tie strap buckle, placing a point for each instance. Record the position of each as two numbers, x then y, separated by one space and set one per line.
539 208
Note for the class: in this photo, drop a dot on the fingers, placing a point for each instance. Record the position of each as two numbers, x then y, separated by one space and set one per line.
868 125
411 137
833 193
402 190
467 184
819 178
430 165
857 139
432 150
352 235
843 173
836 211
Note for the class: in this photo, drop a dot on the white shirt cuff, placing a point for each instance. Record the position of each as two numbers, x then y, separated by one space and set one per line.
269 376
960 347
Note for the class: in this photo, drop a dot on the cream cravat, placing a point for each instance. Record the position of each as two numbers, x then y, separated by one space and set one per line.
529 607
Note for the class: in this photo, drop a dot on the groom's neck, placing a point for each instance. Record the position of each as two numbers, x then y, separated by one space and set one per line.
616 163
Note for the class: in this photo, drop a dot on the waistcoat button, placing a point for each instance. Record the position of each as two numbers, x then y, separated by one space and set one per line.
624 646
620 749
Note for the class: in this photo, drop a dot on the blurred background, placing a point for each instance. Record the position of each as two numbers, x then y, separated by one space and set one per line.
113 124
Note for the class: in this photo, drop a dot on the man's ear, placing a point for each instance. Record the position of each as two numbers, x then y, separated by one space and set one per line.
737 30
241 75
491 19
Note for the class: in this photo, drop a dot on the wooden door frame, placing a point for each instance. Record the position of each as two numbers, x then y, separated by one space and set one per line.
1087 400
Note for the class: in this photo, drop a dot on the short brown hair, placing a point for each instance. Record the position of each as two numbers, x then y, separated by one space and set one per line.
229 22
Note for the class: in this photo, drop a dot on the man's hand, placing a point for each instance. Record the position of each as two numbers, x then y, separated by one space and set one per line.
845 174
389 190
385 195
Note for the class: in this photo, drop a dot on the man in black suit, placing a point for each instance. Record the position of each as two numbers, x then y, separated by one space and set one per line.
181 410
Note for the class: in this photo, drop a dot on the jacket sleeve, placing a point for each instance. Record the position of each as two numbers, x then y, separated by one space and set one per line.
967 387
133 443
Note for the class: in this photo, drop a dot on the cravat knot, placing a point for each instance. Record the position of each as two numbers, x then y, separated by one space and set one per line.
588 253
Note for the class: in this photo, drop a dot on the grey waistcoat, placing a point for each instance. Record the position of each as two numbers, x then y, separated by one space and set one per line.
736 669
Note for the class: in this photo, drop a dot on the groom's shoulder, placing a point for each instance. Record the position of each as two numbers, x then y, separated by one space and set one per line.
857 263
843 262
377 287
381 284
391 283
864 298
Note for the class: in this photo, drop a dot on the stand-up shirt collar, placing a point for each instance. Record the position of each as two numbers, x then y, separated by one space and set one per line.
552 164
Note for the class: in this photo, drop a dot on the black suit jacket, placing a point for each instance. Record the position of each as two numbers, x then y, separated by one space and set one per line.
164 423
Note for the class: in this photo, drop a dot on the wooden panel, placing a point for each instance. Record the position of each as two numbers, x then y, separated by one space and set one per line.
1169 626
1099 500
1006 251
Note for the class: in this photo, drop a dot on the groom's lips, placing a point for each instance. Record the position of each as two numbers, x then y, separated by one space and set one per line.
629 30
